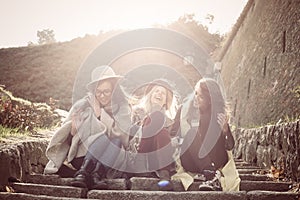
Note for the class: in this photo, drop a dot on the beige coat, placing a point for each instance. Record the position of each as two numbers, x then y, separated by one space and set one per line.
63 146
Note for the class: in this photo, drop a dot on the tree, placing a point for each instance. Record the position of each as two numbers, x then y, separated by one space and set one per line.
188 25
30 44
46 36
210 18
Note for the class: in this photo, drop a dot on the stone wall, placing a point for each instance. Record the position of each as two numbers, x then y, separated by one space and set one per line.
21 159
271 145
260 63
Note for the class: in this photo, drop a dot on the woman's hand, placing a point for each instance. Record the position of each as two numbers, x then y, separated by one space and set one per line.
117 132
223 122
76 122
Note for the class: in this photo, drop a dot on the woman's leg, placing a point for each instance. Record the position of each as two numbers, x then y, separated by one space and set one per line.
81 177
164 150
77 162
90 162
105 158
109 155
97 148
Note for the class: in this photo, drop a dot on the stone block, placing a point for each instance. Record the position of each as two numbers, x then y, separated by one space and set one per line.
265 195
150 184
158 195
24 196
265 185
51 190
247 171
254 177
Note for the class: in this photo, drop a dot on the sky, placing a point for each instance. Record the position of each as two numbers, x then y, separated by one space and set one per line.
21 19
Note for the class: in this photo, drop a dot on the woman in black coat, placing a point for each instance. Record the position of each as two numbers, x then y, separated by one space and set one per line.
202 123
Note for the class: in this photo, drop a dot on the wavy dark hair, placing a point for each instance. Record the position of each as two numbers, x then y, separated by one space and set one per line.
213 95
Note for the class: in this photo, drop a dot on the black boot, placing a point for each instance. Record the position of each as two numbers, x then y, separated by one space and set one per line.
163 174
81 177
66 172
213 184
96 179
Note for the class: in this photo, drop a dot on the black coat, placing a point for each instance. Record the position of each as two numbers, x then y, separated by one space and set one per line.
194 140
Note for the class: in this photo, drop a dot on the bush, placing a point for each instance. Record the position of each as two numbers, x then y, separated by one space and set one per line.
24 115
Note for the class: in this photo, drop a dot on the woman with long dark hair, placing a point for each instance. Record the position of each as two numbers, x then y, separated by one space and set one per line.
202 123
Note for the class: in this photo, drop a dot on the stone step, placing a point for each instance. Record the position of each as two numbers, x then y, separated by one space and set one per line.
158 195
238 160
118 184
146 184
113 184
243 164
255 177
65 191
266 195
50 190
145 195
142 195
248 171
48 179
25 196
122 184
151 184
249 167
266 186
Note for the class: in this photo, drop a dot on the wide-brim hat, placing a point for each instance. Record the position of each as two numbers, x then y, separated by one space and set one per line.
164 83
102 73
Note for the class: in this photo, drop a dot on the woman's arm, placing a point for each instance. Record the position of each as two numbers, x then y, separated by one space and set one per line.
76 122
175 129
75 115
229 140
122 124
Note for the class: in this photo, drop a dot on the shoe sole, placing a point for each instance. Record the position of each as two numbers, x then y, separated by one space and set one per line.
79 184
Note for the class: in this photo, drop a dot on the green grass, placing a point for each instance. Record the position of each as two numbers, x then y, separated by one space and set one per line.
11 132
11 136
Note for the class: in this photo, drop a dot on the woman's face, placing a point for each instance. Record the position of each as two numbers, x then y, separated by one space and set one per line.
103 92
200 101
158 96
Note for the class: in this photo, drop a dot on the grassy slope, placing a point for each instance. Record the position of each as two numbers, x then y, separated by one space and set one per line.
37 73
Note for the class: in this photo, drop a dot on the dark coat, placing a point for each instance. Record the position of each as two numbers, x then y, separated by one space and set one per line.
194 140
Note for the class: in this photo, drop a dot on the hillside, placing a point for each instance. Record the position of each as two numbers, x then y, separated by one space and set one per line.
38 73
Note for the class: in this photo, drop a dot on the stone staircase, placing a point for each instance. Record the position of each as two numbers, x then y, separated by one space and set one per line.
255 185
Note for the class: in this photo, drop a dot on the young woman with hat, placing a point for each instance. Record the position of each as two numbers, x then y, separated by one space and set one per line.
91 138
154 121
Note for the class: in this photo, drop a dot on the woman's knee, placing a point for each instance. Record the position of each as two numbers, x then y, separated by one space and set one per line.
116 141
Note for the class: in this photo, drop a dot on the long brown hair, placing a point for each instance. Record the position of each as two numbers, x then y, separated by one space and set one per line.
212 93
